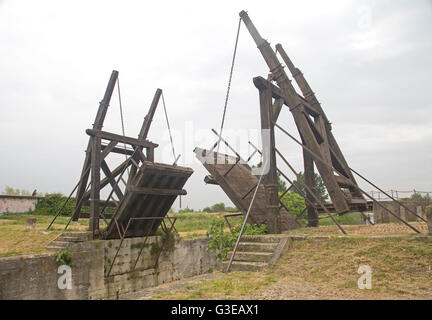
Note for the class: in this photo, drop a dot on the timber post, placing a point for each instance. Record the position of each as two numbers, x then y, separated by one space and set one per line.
429 219
97 125
309 181
269 157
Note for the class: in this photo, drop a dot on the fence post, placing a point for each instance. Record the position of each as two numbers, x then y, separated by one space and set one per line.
429 218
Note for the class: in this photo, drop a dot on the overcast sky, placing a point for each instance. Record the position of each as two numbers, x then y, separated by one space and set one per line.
369 63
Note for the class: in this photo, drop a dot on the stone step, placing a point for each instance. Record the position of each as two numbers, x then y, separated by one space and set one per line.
251 256
83 236
256 247
64 244
262 238
245 266
71 239
54 248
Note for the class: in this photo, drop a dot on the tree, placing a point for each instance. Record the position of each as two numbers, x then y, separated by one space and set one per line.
15 192
418 197
186 210
294 203
319 186
218 207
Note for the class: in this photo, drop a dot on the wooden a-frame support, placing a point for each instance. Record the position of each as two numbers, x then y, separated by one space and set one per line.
313 126
96 153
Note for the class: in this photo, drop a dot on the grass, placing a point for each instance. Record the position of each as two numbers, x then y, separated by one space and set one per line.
350 218
327 269
194 221
16 240
234 285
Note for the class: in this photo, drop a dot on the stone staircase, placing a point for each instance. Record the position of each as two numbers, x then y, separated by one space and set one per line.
67 240
257 252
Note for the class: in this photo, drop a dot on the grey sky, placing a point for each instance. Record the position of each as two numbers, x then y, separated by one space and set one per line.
369 62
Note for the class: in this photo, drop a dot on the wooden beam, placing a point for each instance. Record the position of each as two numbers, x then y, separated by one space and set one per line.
105 180
102 202
111 178
119 150
95 186
273 219
210 180
149 117
106 149
278 95
87 215
156 191
309 181
112 136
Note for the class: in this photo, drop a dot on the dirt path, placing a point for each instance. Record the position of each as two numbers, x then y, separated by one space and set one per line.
149 293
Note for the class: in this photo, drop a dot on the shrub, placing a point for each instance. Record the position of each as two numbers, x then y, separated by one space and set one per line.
51 204
64 257
186 210
294 202
221 242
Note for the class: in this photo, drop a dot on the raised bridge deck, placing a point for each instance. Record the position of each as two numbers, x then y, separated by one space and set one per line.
150 195
238 182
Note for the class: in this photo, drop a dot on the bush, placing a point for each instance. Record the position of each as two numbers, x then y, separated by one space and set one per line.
418 197
294 202
221 242
51 204
65 257
219 207
186 210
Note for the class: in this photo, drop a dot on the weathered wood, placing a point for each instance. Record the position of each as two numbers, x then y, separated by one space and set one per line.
95 186
277 106
111 178
270 178
238 183
118 150
141 196
155 191
325 124
297 108
102 202
128 140
97 125
106 180
86 215
307 134
157 187
106 149
210 180
429 218
149 117
309 181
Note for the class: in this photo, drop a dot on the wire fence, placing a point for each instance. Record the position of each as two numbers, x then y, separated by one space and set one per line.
399 195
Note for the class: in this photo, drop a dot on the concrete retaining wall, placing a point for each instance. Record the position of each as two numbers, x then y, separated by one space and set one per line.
382 216
36 277
17 204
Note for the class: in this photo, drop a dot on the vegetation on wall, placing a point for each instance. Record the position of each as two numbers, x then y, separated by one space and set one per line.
221 242
64 257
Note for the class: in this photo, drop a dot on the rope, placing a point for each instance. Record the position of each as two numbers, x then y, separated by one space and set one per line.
229 83
121 117
169 129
